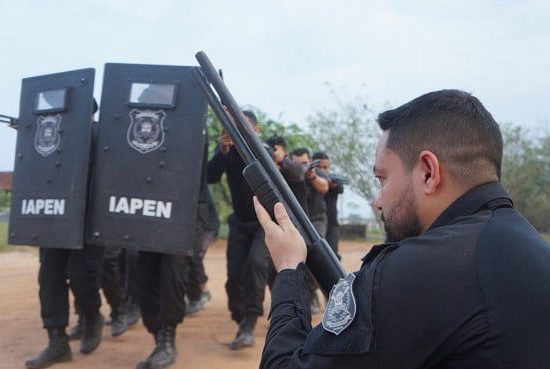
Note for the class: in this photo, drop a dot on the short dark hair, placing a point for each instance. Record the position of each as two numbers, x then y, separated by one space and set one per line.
300 151
276 140
250 115
319 155
452 124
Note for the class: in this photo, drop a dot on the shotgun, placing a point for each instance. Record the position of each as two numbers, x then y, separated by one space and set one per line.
263 176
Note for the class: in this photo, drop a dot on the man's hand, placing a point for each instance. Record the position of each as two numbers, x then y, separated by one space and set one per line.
225 143
310 174
284 242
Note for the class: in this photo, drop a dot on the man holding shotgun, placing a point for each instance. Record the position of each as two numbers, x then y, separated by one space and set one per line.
462 281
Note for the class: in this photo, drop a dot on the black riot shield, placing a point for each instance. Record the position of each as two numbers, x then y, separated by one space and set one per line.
148 161
52 160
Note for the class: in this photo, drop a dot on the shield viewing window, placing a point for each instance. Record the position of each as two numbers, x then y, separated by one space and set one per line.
51 101
152 95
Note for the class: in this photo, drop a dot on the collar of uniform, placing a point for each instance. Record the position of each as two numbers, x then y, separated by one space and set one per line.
375 250
473 200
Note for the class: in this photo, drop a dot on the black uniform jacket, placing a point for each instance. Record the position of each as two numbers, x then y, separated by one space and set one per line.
241 193
471 292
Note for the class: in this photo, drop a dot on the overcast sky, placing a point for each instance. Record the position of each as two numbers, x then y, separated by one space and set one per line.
278 55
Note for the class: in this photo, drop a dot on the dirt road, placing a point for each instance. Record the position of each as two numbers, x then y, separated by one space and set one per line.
201 339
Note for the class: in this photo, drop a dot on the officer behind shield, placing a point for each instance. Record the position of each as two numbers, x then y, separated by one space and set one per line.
462 281
162 283
82 267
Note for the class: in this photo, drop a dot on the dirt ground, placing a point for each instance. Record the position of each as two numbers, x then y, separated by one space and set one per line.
201 339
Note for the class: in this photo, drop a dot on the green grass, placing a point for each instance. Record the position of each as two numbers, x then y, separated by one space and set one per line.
546 236
3 236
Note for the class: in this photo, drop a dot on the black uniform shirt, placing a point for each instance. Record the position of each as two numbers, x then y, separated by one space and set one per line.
241 194
471 292
316 207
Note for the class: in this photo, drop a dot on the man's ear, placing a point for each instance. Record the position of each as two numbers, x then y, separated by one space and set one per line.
430 171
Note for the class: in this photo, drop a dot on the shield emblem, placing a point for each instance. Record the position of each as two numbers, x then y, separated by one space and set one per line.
341 306
146 131
47 137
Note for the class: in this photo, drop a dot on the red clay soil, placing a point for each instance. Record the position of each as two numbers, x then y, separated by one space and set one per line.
201 339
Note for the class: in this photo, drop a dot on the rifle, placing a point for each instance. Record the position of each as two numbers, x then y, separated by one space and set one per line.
341 180
314 164
263 176
11 121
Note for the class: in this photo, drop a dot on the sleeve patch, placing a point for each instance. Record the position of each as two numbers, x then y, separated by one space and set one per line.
341 307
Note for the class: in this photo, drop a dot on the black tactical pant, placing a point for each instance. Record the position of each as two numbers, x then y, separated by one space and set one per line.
127 264
333 237
111 282
59 266
197 275
247 268
161 281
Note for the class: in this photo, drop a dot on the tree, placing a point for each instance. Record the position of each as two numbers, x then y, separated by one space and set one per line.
5 200
348 133
526 173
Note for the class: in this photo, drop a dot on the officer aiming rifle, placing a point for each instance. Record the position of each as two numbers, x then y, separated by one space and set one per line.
263 176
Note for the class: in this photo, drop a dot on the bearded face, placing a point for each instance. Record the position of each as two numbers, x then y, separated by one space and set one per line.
401 220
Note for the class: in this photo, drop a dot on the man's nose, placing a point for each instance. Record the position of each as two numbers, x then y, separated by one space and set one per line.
378 201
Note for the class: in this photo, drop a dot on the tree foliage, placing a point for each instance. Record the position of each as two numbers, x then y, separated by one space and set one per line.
348 133
5 200
526 173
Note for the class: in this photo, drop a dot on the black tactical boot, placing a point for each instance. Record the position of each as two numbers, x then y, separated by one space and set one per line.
76 332
245 335
91 334
118 322
195 305
165 351
133 312
57 351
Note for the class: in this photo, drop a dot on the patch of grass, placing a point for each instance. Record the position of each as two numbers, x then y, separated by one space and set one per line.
546 236
3 236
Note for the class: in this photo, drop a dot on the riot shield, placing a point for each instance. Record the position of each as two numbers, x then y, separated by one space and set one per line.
52 160
148 161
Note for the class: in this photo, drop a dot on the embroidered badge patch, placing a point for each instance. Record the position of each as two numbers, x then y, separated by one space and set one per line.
341 306
47 137
146 131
